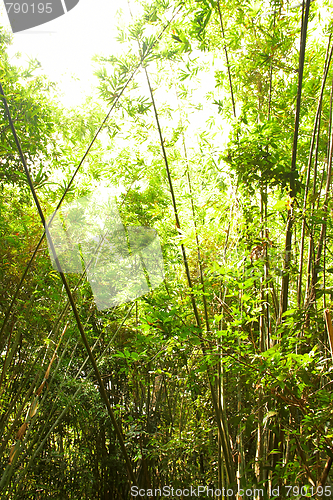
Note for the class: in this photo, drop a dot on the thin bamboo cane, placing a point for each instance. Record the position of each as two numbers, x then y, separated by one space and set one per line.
189 183
328 321
222 426
307 185
71 299
18 415
314 187
30 419
292 190
220 368
227 59
8 413
322 236
9 355
34 405
114 104
41 441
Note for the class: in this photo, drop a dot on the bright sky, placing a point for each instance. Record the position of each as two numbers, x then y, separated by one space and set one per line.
65 46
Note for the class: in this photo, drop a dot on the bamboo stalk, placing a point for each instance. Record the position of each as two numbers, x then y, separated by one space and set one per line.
32 412
329 326
311 242
189 183
174 204
292 191
304 463
71 300
222 425
114 104
41 442
8 356
6 416
322 236
227 59
18 415
312 145
325 472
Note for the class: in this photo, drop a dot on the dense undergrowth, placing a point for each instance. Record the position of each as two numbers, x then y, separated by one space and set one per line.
220 138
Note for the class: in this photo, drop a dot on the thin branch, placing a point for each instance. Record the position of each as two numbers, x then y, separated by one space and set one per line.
313 139
71 299
227 59
120 93
292 192
221 421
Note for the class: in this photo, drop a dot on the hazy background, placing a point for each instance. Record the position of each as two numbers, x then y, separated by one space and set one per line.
65 46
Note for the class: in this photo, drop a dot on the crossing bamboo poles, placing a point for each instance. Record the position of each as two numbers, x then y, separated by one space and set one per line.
220 419
102 389
42 437
46 232
113 106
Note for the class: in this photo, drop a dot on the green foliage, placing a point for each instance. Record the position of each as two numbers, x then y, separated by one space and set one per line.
34 117
230 176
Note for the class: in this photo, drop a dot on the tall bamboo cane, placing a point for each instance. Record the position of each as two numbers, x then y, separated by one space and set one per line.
71 298
292 190
221 423
313 139
114 104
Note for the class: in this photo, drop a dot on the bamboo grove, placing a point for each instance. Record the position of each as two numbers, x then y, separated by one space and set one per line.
214 126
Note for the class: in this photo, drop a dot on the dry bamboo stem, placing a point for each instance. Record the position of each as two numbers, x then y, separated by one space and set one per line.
329 326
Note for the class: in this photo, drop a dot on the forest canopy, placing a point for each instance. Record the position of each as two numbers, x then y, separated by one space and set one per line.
212 128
